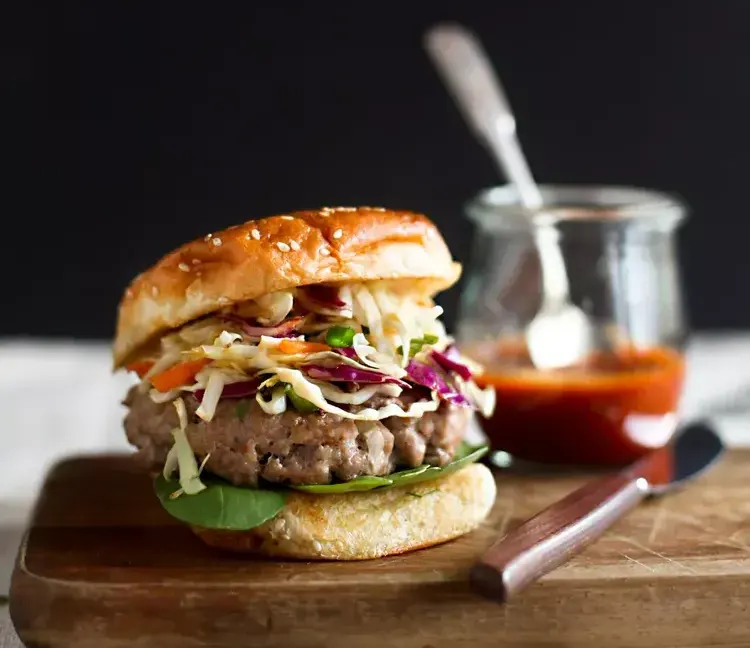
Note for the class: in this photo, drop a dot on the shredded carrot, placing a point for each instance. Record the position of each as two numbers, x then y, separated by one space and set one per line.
180 374
140 367
298 346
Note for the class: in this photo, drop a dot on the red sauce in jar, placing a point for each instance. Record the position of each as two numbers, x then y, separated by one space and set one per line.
608 410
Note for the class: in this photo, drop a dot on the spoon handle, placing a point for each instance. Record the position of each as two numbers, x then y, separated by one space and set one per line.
552 537
467 72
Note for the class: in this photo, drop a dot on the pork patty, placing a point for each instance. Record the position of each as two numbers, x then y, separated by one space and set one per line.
246 444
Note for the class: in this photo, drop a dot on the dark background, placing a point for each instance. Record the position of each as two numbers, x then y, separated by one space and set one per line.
149 124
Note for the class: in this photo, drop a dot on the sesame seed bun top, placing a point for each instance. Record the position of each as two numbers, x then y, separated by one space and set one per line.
246 261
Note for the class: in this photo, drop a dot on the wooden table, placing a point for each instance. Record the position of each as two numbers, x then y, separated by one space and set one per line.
104 566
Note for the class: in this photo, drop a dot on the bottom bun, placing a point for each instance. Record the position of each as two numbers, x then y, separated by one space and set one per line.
358 526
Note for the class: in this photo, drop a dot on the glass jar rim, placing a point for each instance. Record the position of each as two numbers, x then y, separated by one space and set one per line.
500 208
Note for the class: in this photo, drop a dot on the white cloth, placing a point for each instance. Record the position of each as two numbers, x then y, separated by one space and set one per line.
58 399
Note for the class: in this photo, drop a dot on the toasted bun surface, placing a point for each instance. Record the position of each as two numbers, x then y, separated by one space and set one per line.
278 253
358 526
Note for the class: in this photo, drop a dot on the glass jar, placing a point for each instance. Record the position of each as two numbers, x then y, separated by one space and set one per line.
619 249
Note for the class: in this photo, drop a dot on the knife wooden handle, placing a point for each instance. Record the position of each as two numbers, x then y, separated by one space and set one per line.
555 535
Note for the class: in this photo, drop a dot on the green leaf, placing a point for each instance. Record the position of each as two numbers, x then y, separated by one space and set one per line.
411 471
408 477
365 483
221 505
241 409
465 455
340 336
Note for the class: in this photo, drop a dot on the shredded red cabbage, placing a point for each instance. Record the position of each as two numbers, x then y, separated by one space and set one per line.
286 329
349 352
235 390
345 373
422 374
449 363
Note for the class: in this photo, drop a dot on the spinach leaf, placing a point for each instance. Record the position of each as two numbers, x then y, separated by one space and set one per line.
408 477
365 483
464 450
465 455
225 506
221 505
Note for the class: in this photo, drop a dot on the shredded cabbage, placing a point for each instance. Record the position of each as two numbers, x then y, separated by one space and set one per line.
274 307
484 399
397 316
310 391
226 339
386 317
170 464
277 403
363 394
366 311
345 295
389 368
214 387
190 482
179 405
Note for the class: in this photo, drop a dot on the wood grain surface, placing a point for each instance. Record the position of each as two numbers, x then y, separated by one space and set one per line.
103 566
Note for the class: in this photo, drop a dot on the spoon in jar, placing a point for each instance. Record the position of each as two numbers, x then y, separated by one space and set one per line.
560 334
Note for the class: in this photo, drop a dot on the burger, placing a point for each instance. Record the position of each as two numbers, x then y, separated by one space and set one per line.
297 394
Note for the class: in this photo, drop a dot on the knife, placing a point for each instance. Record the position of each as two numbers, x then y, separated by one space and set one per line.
562 530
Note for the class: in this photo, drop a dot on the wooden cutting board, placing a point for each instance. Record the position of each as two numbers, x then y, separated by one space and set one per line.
104 566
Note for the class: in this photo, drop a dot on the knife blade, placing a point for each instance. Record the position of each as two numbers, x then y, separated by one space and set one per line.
565 528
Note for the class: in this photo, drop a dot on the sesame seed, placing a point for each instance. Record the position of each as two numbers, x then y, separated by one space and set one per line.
195 261
378 209
217 241
184 267
294 245
154 291
282 246
207 237
222 300
286 217
345 209
337 234
255 234
325 252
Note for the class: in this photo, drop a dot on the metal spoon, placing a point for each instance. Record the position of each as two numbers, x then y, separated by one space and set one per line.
560 334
